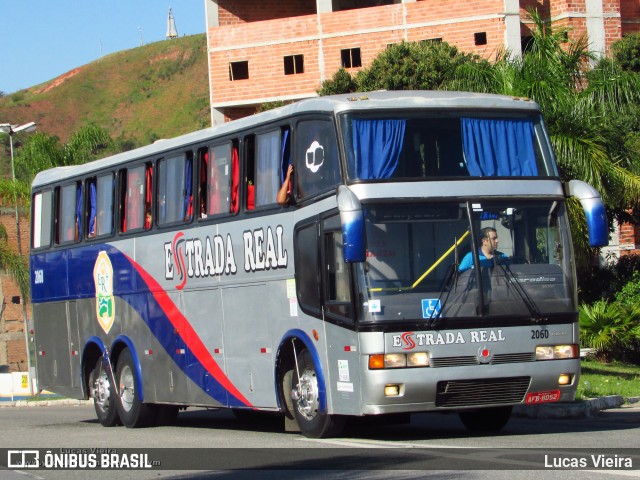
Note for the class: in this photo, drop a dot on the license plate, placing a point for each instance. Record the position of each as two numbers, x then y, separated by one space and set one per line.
543 397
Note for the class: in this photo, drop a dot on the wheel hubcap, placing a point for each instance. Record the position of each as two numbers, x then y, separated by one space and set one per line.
102 391
307 392
127 390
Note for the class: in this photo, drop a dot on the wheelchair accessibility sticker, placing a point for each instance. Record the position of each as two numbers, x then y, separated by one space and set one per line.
431 308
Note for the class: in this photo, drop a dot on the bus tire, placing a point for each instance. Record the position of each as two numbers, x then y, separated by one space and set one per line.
313 423
104 396
486 420
133 413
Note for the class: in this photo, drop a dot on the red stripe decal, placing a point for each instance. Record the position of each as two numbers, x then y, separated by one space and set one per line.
189 335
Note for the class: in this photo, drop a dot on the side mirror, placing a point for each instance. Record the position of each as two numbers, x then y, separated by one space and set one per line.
594 210
352 222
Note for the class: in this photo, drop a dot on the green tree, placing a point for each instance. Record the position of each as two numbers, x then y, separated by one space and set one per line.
626 52
409 66
14 264
341 82
41 151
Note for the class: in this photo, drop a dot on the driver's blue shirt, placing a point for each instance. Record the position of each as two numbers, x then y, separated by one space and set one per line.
467 261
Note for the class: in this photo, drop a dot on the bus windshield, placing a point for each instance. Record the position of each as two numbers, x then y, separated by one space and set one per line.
429 262
465 144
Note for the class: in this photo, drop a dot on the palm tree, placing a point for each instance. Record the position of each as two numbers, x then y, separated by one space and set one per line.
39 152
14 264
579 104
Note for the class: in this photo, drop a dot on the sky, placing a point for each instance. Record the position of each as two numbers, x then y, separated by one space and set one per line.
42 39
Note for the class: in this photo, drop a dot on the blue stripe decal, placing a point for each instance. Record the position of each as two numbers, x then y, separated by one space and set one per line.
73 271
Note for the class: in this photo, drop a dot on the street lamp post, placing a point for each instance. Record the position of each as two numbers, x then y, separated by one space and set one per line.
12 130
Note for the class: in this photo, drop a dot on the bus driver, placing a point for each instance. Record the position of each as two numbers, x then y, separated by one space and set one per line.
488 252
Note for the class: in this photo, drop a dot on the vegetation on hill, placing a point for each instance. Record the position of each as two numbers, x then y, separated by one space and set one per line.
160 90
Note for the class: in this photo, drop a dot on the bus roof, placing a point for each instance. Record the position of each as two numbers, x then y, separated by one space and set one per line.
379 100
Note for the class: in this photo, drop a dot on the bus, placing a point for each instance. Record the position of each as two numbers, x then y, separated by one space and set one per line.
169 276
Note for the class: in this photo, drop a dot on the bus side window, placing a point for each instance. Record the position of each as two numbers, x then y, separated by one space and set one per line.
100 206
268 163
68 213
337 285
219 180
307 268
41 219
175 192
316 158
135 197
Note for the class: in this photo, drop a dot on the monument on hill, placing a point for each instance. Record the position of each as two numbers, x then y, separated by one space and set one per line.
171 26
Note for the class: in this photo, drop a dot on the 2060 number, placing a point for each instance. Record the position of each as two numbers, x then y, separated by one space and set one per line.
535 334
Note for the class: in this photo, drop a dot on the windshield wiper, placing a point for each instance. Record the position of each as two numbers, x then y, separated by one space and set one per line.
536 316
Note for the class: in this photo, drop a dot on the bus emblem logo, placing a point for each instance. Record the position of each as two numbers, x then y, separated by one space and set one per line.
315 156
105 302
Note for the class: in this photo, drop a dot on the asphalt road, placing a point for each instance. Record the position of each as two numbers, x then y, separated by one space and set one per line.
216 444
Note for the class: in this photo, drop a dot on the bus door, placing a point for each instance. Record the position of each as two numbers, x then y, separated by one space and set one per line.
343 350
325 290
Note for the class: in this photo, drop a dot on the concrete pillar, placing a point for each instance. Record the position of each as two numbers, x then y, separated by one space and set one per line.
324 6
595 27
512 39
211 10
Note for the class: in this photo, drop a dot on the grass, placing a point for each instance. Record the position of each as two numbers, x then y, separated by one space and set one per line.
602 379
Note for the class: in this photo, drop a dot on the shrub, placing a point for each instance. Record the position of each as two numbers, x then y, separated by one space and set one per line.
627 268
341 82
626 52
612 330
630 292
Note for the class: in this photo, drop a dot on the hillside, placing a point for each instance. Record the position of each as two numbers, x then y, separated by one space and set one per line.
159 90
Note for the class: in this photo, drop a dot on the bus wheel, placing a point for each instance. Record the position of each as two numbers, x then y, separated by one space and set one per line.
133 412
305 394
104 398
487 420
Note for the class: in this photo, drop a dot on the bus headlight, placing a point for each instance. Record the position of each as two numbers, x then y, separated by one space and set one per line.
398 360
417 359
395 360
557 352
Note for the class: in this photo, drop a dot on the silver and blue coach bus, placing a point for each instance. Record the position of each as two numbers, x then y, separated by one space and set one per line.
169 276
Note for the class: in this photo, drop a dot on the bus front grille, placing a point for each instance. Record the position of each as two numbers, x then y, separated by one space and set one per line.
498 359
467 393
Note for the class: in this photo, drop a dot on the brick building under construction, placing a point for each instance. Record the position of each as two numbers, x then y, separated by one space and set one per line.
283 49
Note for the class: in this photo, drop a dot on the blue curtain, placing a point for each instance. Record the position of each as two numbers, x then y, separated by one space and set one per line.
188 198
499 148
79 210
376 147
286 155
92 205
